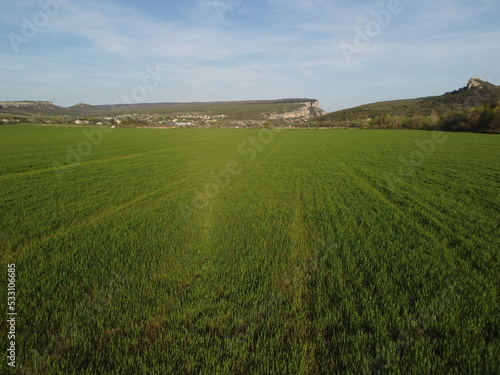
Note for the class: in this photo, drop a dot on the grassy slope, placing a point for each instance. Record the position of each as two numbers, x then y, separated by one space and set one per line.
308 261
455 101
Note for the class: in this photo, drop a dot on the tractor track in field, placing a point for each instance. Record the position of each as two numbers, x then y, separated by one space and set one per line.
295 284
100 215
88 162
365 184
96 217
427 211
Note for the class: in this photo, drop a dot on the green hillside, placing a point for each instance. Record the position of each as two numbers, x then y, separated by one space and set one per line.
476 94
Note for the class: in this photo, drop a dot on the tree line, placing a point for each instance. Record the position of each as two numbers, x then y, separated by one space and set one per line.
481 119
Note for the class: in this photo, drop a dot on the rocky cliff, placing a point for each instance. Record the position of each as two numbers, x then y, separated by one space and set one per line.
25 104
308 109
475 82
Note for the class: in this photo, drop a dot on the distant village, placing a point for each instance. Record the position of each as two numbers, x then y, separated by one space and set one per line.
152 121
185 120
137 120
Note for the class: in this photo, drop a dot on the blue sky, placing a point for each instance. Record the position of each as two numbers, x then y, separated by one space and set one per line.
341 52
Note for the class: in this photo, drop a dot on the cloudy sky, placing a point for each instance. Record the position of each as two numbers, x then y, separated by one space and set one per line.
341 52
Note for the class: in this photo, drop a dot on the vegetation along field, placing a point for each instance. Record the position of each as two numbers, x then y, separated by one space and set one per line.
214 251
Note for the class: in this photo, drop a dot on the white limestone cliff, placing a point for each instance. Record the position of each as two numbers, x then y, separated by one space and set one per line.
308 110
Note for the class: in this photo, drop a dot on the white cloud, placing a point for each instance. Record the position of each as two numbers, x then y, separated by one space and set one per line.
259 49
131 35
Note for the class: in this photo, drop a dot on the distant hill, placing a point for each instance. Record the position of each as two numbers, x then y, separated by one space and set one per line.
255 110
476 93
29 107
475 107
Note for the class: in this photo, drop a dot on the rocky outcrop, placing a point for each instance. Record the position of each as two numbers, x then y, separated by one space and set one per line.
24 104
475 82
309 109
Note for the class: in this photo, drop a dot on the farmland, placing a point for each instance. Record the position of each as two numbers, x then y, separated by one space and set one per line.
214 251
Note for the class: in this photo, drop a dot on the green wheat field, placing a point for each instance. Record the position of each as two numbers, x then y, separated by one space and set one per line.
198 251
